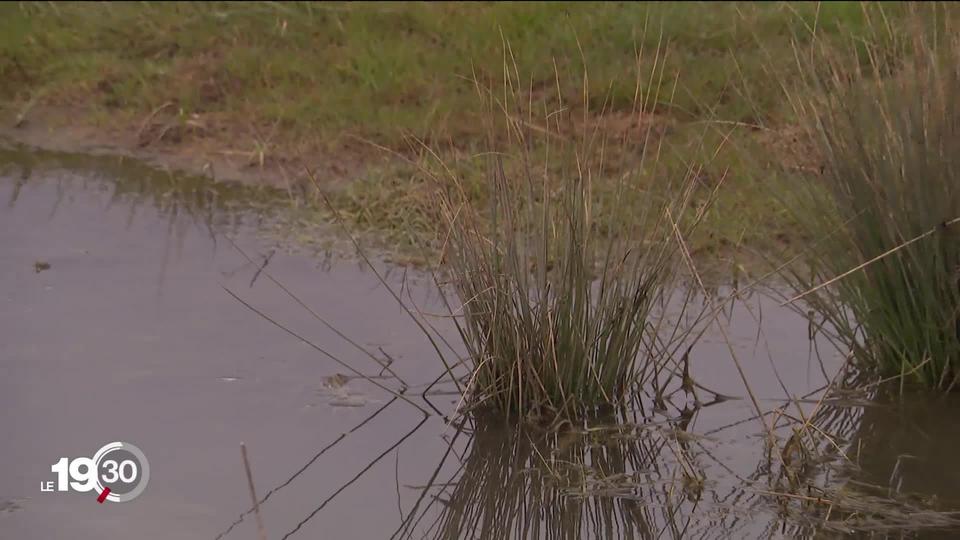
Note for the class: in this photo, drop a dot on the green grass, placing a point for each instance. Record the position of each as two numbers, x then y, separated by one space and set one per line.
384 70
884 120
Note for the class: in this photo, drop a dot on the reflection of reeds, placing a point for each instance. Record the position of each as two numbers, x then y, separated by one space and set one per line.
606 478
902 476
599 480
840 469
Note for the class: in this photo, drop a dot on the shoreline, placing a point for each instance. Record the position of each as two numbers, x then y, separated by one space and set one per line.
45 128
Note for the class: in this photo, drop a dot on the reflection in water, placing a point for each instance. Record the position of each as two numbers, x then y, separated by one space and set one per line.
671 467
185 202
606 481
610 479
903 472
133 184
313 459
914 439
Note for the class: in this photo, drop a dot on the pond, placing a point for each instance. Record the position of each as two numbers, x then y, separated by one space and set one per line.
130 313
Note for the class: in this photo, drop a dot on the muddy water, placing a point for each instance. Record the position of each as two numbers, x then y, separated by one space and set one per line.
132 334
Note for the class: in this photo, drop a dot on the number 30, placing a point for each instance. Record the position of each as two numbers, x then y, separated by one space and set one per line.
115 471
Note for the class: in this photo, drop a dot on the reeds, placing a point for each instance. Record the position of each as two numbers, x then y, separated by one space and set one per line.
884 122
565 269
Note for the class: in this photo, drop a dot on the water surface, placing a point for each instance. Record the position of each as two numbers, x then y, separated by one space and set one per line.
131 334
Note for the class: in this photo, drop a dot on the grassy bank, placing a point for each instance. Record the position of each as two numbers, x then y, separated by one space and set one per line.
266 84
380 71
275 86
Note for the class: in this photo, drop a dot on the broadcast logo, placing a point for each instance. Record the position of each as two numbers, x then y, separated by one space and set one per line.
117 472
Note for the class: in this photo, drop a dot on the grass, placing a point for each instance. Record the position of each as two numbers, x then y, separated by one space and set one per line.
884 119
380 70
269 83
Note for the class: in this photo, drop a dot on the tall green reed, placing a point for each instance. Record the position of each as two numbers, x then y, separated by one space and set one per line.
884 123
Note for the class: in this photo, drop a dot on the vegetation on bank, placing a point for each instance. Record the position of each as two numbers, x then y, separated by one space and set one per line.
320 71
268 83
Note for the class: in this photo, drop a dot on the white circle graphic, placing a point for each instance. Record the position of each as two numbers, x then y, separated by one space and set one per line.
142 467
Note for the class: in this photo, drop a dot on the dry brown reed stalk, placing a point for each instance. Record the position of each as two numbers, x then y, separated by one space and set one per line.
261 531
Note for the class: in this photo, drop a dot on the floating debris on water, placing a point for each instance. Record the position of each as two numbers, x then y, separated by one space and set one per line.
335 386
8 506
349 401
337 380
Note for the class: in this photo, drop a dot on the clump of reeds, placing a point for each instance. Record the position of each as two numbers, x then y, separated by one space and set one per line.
884 122
565 268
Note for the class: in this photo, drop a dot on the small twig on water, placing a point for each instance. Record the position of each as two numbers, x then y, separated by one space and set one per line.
253 493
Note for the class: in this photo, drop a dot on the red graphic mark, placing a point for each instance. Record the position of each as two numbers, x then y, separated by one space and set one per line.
103 496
